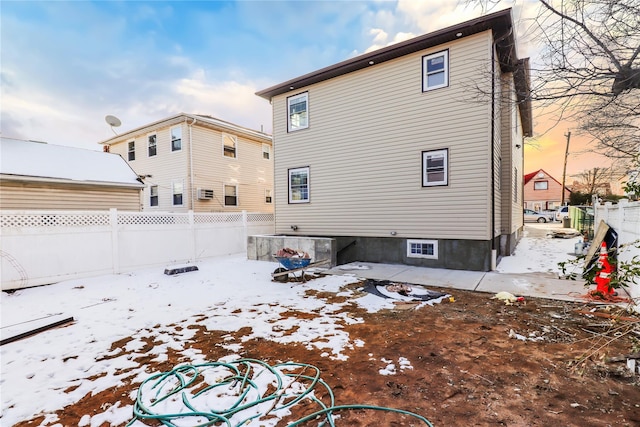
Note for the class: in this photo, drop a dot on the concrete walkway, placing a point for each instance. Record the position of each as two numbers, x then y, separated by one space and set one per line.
540 285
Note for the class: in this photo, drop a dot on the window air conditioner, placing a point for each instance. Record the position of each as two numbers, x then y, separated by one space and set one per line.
205 194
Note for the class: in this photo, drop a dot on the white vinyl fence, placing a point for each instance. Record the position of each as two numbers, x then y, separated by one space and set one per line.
624 218
42 247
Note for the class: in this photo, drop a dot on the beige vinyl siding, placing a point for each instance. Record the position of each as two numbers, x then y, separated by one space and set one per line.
211 169
29 196
498 158
513 159
165 167
364 144
248 170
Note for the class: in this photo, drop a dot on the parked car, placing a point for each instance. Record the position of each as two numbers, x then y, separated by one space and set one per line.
531 215
561 213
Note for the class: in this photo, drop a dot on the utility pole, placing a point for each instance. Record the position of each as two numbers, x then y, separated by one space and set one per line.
564 171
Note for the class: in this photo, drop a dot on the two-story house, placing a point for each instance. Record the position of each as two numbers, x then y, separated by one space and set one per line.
543 192
199 163
411 153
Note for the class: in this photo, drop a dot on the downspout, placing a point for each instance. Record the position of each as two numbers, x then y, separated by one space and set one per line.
192 190
494 251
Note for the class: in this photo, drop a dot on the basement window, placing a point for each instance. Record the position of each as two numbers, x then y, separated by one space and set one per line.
422 249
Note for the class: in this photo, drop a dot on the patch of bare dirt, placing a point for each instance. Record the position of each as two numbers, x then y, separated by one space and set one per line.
470 365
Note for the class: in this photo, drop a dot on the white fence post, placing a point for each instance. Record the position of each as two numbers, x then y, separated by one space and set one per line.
192 232
115 253
245 228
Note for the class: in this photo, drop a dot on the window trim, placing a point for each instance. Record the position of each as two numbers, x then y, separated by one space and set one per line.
290 127
445 181
235 145
535 184
224 195
155 145
425 72
131 150
267 151
173 149
173 193
151 196
434 243
292 171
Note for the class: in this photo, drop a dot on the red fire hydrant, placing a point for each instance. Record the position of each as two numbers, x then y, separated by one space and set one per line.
603 276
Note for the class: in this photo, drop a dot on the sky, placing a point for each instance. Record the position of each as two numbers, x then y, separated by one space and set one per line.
79 358
67 65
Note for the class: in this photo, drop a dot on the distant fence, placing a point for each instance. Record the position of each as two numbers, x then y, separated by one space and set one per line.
41 247
624 218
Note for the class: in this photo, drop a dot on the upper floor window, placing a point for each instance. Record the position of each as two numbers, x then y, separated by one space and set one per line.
176 138
266 151
153 195
152 145
230 195
434 168
178 190
435 70
541 185
131 150
299 185
298 112
229 143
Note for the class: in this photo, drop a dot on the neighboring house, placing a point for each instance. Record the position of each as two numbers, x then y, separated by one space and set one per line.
409 154
199 163
543 192
37 175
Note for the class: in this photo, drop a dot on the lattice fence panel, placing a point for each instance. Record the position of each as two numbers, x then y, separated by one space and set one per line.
217 218
259 217
152 219
53 220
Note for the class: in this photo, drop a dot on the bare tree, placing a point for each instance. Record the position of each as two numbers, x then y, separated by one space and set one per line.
588 69
596 180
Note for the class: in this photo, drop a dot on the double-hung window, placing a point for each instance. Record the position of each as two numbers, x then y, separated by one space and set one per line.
435 70
176 138
298 112
299 185
541 185
267 196
229 144
266 151
131 150
153 195
230 195
152 145
178 190
434 168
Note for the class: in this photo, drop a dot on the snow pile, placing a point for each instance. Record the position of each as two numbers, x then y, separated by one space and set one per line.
53 369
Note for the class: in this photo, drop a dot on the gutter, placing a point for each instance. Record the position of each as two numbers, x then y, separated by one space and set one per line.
37 179
190 125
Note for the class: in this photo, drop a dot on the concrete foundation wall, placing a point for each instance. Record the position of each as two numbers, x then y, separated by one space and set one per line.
263 247
474 255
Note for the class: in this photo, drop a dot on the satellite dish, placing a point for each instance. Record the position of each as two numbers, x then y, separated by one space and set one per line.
113 121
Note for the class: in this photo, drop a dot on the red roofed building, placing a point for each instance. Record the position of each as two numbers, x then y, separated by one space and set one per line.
543 192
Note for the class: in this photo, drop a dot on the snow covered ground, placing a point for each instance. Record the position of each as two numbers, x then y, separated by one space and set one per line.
537 252
48 371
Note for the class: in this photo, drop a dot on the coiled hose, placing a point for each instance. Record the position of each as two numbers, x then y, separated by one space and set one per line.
235 393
